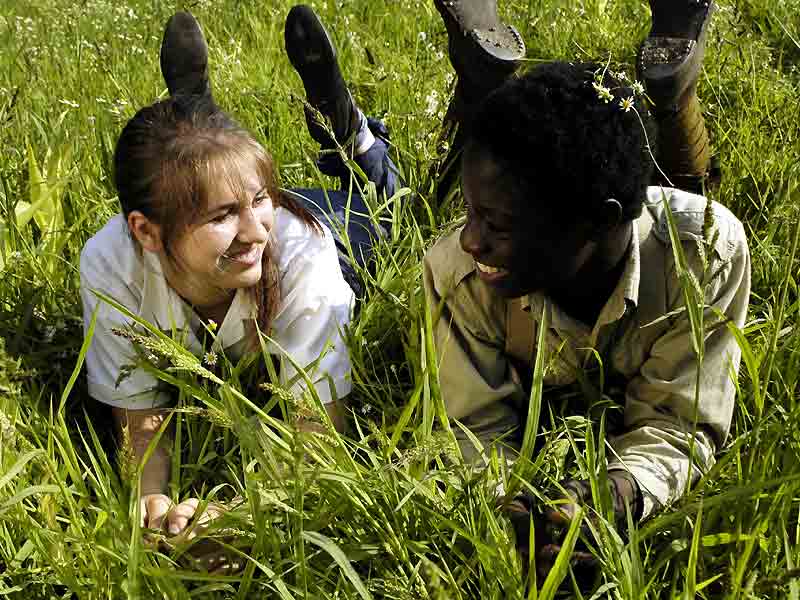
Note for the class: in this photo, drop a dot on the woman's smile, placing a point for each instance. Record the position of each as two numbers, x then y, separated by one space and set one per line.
248 256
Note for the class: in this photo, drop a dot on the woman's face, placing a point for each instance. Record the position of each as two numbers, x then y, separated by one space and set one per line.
222 248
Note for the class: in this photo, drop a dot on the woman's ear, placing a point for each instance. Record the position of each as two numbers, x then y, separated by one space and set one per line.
147 233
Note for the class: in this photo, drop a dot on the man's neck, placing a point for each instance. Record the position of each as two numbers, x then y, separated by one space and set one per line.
586 295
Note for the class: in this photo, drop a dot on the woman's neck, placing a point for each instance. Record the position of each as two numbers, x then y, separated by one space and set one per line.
208 302
214 313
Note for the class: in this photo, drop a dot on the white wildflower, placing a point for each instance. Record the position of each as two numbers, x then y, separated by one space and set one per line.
210 358
603 93
432 103
626 103
69 103
637 88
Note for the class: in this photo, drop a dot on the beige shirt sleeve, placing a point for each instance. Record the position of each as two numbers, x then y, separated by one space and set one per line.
661 407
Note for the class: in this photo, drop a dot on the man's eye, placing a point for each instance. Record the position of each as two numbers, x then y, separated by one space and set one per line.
495 229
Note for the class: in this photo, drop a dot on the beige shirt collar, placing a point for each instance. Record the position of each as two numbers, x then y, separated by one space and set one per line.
625 293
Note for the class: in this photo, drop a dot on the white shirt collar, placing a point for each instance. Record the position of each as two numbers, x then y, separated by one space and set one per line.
164 307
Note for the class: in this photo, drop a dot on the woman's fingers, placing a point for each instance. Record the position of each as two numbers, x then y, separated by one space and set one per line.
211 512
154 508
179 517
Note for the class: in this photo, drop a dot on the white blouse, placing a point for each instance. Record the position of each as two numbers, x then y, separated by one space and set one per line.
315 308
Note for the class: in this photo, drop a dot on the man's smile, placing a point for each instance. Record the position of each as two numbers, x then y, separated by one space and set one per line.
490 274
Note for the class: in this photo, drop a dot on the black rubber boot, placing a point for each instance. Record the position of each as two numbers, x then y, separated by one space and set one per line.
184 57
313 56
669 63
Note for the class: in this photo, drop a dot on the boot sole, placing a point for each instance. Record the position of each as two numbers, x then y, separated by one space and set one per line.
322 56
498 45
670 65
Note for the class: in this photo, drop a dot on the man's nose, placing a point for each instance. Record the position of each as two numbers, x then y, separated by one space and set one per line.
473 238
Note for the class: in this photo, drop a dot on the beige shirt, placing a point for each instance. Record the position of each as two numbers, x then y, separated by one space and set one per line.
655 361
316 306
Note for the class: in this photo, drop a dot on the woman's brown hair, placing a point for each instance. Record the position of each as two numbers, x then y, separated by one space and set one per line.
167 161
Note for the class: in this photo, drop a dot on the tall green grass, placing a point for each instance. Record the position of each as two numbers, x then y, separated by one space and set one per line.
387 511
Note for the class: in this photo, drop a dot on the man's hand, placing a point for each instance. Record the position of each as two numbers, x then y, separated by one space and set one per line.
552 525
625 496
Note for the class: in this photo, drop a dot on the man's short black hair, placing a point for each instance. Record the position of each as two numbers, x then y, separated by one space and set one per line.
569 137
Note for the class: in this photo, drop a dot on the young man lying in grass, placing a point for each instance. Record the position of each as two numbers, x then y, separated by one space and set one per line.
566 231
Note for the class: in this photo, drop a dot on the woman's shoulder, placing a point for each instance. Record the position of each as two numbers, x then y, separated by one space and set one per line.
110 255
298 241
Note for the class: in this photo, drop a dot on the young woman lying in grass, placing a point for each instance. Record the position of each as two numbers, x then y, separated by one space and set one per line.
208 245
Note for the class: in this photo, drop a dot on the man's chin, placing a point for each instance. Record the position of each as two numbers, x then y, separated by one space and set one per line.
512 288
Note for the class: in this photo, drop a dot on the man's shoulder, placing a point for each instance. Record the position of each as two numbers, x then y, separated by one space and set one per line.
447 264
696 218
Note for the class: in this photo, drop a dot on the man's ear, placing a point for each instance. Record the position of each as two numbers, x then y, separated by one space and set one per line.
607 216
147 233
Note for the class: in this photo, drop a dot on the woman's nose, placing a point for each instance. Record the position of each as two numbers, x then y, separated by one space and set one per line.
251 229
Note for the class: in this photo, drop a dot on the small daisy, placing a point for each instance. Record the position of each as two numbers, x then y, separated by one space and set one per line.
626 103
210 358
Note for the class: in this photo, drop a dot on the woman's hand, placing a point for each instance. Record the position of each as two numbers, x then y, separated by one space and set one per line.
182 524
160 513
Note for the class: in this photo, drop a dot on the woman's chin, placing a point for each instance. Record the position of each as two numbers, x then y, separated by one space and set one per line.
247 278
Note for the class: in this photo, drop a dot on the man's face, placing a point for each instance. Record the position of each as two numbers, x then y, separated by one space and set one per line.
519 246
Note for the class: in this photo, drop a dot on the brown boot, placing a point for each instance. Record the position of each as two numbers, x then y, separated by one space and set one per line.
669 63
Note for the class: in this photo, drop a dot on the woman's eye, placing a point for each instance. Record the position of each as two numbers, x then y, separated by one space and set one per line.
259 199
222 217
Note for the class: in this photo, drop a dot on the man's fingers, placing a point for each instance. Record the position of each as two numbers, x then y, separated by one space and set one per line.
582 563
179 516
561 514
155 508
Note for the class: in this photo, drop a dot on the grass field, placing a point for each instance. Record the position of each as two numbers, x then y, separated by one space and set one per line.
388 511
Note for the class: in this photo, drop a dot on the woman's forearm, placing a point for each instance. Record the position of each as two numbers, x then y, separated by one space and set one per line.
142 427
